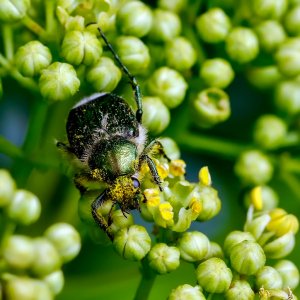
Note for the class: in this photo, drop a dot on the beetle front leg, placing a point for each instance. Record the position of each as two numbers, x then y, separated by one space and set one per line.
154 172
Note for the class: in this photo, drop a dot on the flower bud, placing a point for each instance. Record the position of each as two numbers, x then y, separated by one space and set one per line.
163 258
68 5
269 278
210 107
133 53
247 257
280 247
166 26
193 246
214 276
31 58
217 72
270 34
269 131
24 208
170 147
287 97
204 176
59 81
242 45
258 225
133 242
7 187
268 9
55 281
81 47
234 238
18 252
211 203
169 85
156 117
186 291
265 77
120 221
239 289
26 289
180 54
288 272
104 75
46 257
253 168
213 26
65 239
287 57
134 18
291 20
13 10
215 250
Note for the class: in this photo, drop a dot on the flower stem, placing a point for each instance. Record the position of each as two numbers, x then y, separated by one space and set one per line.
33 26
8 41
146 283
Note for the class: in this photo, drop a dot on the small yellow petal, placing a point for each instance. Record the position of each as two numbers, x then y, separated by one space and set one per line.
196 205
284 224
204 176
256 198
152 197
162 170
177 167
166 211
276 213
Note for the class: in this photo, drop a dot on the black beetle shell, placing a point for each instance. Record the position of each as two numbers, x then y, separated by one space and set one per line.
97 117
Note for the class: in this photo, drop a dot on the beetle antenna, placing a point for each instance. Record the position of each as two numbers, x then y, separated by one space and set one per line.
132 79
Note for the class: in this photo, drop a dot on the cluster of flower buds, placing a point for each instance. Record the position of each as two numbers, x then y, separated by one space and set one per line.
31 267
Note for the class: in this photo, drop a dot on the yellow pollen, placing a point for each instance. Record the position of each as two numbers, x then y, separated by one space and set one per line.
204 176
152 196
256 198
196 206
166 211
177 167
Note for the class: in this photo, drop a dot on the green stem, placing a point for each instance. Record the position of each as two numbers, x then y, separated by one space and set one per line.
9 149
50 20
292 182
146 283
33 26
9 229
8 41
210 296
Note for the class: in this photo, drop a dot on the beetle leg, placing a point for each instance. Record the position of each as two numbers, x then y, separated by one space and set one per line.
100 220
132 79
154 172
154 147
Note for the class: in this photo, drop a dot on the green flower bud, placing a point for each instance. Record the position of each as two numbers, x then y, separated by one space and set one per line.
81 47
26 289
234 238
65 239
287 97
215 250
258 225
217 72
180 54
175 6
269 9
169 85
270 35
31 58
133 242
24 208
7 187
288 272
287 57
239 289
156 117
59 81
193 246
170 147
242 45
247 257
163 258
291 20
269 131
12 10
133 53
134 18
280 247
46 257
104 75
68 5
18 252
269 278
210 107
186 292
214 276
211 203
253 167
120 221
264 77
213 26
55 281
166 26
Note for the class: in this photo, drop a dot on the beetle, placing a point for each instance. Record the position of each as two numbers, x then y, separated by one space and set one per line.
109 144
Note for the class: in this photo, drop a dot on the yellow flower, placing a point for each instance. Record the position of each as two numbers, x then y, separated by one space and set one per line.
256 198
196 205
152 197
204 176
177 167
166 211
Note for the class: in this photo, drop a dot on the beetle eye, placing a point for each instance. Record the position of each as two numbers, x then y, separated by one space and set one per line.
136 183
